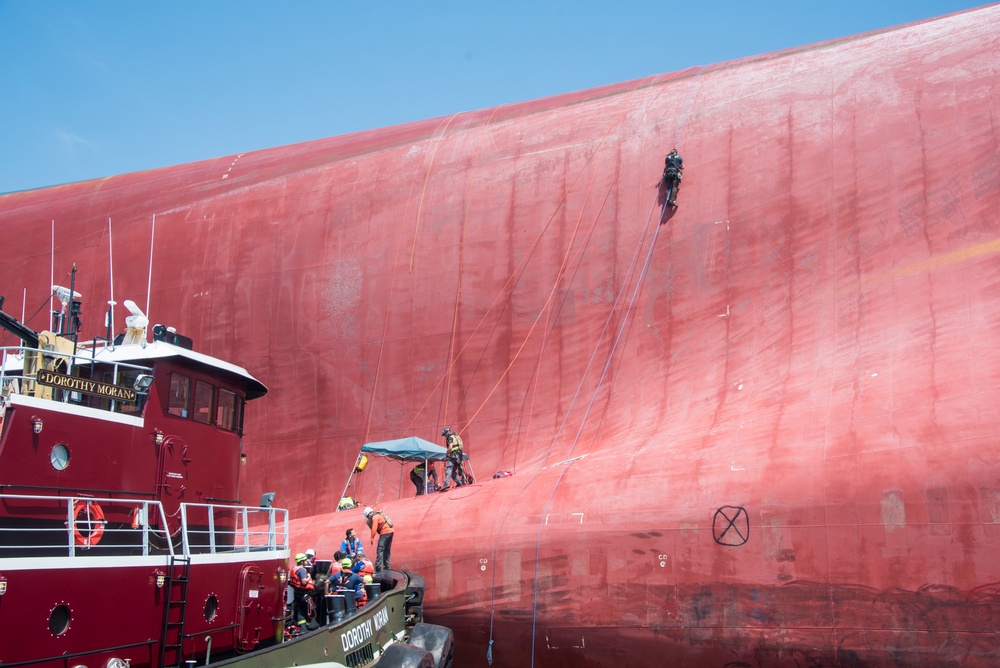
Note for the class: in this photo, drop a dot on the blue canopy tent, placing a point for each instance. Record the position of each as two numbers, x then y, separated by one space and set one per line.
409 449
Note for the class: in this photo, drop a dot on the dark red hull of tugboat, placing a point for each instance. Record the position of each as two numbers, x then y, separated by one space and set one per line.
110 602
755 430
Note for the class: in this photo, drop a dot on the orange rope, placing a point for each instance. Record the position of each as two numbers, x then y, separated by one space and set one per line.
518 270
423 192
461 270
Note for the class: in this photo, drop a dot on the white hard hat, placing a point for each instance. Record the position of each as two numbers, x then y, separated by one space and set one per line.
368 511
311 552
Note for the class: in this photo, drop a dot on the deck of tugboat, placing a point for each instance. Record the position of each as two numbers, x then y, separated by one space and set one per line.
357 638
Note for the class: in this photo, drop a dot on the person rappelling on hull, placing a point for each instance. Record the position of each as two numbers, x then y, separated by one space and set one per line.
672 175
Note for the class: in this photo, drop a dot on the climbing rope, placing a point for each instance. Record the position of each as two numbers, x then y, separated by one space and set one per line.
443 412
625 322
625 319
423 191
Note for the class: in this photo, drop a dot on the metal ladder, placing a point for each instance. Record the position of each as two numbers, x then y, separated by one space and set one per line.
174 629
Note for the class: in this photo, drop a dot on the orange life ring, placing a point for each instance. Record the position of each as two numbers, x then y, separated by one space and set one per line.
94 519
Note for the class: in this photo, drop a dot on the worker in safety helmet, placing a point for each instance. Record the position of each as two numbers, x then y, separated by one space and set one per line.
453 468
381 526
302 586
419 475
363 567
672 176
348 579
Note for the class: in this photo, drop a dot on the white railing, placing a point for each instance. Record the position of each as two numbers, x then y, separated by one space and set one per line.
51 526
35 526
213 529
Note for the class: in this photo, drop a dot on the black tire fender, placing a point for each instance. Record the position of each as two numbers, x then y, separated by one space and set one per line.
438 640
402 655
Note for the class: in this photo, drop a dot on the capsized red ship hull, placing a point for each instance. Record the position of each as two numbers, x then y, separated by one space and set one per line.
759 429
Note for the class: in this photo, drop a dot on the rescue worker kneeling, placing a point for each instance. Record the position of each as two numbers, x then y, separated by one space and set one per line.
348 579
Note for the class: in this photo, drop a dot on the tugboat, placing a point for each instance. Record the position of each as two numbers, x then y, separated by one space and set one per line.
123 541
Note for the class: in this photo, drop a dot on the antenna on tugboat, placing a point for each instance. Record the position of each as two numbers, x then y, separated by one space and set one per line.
109 323
149 281
74 309
52 270
111 272
69 297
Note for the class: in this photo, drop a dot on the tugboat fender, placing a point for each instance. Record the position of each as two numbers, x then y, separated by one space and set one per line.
402 655
438 640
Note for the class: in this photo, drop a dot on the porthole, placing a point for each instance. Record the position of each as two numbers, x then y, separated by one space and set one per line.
59 457
211 608
59 619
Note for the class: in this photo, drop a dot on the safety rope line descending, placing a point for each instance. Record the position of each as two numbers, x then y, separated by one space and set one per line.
547 333
533 477
624 323
566 255
388 310
519 269
423 191
553 291
607 322
443 413
562 472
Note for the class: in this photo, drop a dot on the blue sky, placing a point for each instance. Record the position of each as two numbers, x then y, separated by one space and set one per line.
91 89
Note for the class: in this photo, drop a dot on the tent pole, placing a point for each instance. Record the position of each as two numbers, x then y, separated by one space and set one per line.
469 464
344 493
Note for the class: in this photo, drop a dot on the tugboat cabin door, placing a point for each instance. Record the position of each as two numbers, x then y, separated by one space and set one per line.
253 617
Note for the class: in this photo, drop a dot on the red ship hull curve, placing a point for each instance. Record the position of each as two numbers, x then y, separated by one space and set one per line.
756 429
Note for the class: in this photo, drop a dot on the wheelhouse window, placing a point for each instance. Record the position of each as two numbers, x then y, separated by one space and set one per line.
203 402
125 378
180 395
226 413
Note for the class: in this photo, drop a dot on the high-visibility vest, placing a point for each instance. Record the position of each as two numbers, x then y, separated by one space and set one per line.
296 582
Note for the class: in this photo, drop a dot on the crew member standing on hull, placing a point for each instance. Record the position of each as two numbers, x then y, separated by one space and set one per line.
453 468
672 176
381 526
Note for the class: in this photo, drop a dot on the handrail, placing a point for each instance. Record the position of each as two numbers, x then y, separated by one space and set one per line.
76 526
211 528
82 526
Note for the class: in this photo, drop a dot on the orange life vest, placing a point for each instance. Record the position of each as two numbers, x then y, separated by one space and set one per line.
296 582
